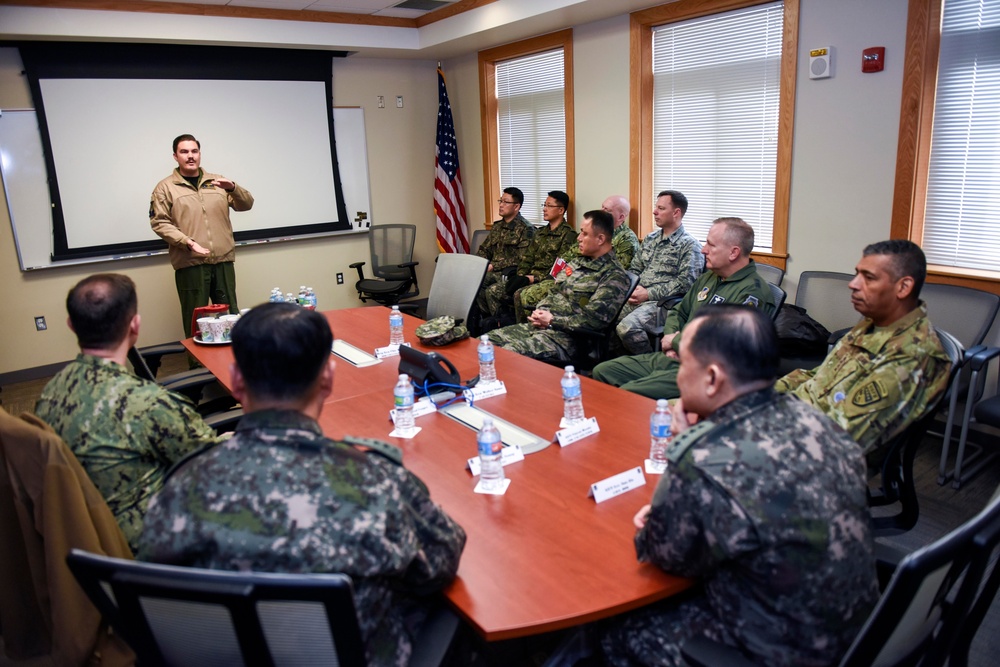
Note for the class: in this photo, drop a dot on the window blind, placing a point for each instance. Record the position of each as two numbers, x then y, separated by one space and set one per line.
531 124
716 84
963 198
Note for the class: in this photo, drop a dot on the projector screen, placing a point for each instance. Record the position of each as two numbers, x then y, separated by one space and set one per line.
108 114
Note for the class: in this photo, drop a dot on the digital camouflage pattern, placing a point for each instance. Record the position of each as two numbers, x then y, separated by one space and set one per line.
545 246
877 380
505 244
666 266
765 505
125 431
280 497
654 374
625 243
441 331
587 293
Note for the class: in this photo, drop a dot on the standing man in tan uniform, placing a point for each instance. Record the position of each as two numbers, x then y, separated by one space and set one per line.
189 209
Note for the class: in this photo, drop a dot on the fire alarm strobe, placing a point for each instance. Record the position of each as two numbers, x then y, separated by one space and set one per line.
819 63
873 59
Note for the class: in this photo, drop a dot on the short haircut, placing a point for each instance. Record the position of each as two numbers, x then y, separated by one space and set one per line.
907 260
560 197
100 308
741 339
185 137
738 233
280 349
678 198
516 194
601 222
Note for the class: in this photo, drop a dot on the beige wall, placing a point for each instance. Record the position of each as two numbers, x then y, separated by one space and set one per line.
401 169
842 172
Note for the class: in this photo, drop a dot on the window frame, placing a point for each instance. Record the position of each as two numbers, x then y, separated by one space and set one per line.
641 26
488 104
913 152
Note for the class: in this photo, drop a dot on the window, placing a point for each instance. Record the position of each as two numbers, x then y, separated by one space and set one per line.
946 198
526 90
717 120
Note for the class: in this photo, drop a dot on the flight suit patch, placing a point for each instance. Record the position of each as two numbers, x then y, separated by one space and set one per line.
869 394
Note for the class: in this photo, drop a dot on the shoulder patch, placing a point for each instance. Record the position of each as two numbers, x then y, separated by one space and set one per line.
869 394
680 444
384 449
703 294
717 299
752 301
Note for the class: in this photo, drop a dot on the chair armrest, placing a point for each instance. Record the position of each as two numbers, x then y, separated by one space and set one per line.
224 422
669 302
979 356
153 354
408 265
408 307
837 335
703 652
358 265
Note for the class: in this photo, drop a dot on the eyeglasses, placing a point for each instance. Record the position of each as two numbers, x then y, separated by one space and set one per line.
504 201
552 206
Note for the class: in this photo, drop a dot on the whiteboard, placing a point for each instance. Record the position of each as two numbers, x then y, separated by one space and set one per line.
25 183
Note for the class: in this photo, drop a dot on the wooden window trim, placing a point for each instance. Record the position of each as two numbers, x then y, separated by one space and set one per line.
641 111
488 110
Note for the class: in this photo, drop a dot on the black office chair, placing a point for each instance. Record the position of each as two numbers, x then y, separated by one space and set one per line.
394 273
896 484
778 295
926 608
771 274
593 345
478 237
457 278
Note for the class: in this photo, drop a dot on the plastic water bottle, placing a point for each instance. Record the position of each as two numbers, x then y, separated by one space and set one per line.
659 434
572 396
290 298
276 296
487 367
311 297
403 399
395 326
490 468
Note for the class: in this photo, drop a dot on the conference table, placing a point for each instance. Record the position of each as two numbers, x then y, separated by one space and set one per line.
545 555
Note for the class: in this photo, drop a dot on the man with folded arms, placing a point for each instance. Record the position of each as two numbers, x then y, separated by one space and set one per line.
763 503
280 497
505 244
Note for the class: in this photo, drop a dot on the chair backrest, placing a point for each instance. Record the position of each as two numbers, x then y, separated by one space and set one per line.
390 246
826 298
778 295
771 274
896 482
925 605
190 616
457 278
478 237
968 313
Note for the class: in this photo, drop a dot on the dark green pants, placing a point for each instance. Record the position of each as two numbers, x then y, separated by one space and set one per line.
197 285
653 374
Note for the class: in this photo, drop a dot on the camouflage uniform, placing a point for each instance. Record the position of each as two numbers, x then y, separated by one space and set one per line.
546 245
527 298
666 265
280 497
876 381
125 431
625 243
503 248
654 374
587 293
764 503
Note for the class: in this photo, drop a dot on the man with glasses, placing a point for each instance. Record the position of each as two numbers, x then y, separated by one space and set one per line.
554 240
505 245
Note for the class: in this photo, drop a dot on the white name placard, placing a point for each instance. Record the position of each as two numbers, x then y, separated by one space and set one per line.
577 431
481 391
511 454
617 484
424 406
388 351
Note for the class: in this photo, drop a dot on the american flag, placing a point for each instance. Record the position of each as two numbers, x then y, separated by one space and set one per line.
449 203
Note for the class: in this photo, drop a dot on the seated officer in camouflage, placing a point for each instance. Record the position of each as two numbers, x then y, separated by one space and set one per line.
668 263
125 431
623 241
890 368
588 293
763 503
505 244
731 278
550 242
280 497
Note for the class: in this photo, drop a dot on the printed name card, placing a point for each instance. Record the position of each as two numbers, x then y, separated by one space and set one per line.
578 431
508 455
422 407
617 484
481 391
388 351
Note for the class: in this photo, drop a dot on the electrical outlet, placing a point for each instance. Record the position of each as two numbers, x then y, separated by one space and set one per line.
399 101
381 101
340 278
40 323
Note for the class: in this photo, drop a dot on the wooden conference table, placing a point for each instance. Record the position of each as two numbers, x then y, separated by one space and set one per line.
544 556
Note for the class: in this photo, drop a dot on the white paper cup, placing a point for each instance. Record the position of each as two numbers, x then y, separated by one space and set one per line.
205 328
228 322
218 329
